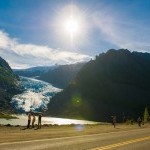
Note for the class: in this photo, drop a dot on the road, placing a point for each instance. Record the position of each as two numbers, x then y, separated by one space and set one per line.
123 140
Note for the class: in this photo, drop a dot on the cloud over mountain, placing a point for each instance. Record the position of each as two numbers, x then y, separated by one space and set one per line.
21 55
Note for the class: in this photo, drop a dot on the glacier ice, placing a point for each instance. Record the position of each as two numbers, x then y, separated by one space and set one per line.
36 95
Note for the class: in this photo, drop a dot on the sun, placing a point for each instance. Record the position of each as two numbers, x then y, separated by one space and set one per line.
72 26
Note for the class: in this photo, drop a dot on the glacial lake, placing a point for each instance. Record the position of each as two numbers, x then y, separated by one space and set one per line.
22 121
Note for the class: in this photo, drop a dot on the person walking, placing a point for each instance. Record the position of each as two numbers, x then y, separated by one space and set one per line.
39 120
29 120
33 120
139 120
114 121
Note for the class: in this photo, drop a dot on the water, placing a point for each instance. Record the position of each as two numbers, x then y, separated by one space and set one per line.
36 95
22 120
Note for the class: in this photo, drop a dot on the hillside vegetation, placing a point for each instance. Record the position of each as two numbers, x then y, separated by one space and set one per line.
62 75
8 86
115 83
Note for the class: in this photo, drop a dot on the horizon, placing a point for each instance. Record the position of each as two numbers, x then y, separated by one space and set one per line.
45 33
93 58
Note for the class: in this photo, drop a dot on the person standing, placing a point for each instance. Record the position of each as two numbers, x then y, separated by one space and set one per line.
33 120
39 120
29 120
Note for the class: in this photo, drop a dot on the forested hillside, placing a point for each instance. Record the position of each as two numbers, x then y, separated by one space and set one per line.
8 86
115 83
62 75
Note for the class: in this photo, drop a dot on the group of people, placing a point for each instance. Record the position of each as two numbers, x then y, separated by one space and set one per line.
32 119
139 121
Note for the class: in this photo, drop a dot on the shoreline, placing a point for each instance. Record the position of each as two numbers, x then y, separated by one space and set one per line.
51 125
7 116
22 120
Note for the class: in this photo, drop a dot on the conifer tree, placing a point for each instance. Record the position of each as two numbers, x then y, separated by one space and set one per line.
146 115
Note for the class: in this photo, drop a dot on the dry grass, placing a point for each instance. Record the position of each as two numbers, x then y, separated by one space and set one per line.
12 134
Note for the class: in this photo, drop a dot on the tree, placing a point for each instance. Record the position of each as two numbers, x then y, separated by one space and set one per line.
146 115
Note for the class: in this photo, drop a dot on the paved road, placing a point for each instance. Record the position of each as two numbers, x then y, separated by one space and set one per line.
138 139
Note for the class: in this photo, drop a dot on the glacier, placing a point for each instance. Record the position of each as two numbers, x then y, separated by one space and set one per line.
35 97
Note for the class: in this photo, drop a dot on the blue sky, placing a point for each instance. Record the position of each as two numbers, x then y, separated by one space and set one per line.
32 31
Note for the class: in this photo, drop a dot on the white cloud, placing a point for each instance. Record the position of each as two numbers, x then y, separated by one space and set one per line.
27 55
122 31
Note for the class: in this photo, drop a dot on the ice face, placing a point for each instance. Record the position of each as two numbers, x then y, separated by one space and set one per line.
36 95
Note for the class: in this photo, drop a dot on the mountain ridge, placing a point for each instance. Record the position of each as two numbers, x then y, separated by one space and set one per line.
33 71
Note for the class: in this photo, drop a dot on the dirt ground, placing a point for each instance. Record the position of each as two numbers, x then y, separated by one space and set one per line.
17 133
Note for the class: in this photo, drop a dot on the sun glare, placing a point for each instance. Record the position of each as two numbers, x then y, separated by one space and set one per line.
72 26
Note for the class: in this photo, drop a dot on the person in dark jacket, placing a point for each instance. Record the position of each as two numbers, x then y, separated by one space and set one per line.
114 121
39 120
